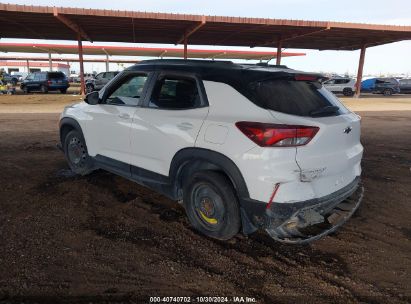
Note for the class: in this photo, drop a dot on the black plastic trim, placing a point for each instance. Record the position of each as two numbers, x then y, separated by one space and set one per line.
67 121
152 180
257 211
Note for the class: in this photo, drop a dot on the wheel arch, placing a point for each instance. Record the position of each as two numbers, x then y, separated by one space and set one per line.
190 160
66 125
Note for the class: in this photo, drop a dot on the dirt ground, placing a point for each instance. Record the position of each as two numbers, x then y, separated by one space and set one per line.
102 238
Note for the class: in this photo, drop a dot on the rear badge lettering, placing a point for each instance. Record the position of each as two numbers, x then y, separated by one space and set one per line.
347 130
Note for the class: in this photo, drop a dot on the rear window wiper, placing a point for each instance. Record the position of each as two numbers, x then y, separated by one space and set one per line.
324 111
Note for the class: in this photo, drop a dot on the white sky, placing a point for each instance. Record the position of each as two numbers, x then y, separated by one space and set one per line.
394 58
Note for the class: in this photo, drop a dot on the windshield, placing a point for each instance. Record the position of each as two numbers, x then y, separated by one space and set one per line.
302 98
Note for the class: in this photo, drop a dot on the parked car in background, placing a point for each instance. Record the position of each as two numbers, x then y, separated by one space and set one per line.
405 85
344 85
19 75
210 134
45 81
386 86
98 82
12 79
75 78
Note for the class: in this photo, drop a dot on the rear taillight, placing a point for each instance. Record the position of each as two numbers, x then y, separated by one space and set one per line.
49 82
276 135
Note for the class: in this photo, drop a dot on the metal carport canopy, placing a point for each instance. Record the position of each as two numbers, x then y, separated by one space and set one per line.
58 23
111 50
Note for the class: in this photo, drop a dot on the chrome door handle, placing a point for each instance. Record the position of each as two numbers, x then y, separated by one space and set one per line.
124 116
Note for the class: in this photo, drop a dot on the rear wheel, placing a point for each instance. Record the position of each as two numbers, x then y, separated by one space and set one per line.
348 92
211 205
75 151
387 92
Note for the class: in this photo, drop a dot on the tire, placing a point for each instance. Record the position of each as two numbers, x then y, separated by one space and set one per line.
89 88
348 92
75 151
14 81
387 92
63 91
44 89
211 205
26 90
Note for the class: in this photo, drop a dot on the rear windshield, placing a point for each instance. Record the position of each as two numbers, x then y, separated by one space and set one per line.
302 98
57 75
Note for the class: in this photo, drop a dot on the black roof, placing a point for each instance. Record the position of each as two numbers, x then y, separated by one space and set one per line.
220 71
198 65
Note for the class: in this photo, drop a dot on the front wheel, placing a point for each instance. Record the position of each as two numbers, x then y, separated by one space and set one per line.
89 88
211 205
75 151
348 92
387 92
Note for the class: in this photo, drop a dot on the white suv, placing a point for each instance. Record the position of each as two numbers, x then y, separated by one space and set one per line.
342 85
242 146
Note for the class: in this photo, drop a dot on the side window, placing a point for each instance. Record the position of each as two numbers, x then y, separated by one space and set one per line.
332 81
175 93
99 76
43 76
30 77
37 76
381 81
129 91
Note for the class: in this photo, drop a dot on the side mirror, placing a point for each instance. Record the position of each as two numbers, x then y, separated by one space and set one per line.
92 98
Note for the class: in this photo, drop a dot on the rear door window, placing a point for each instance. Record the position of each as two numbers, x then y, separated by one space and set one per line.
293 97
175 93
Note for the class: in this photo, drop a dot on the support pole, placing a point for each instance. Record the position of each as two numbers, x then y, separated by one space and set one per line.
107 63
80 55
359 73
279 47
28 66
50 63
185 47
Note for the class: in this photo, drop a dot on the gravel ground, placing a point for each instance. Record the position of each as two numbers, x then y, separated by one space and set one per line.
102 238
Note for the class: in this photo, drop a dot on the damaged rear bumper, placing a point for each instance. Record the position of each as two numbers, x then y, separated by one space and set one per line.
303 222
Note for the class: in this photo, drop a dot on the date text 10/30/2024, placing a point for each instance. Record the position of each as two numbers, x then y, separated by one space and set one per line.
202 300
